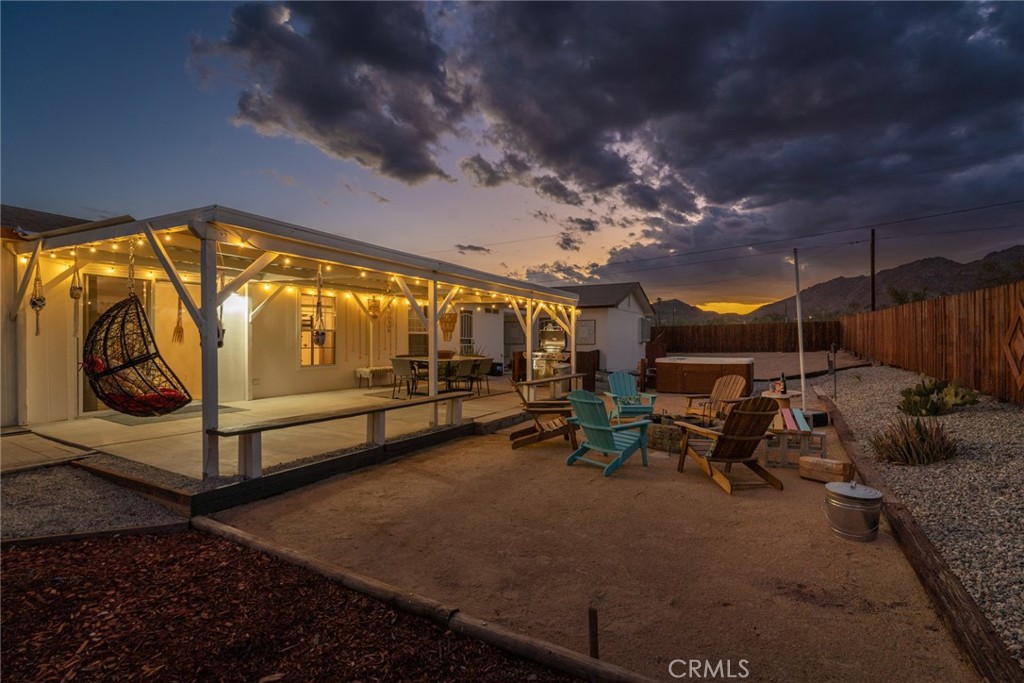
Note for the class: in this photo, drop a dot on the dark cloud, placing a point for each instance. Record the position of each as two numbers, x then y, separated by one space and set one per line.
695 125
569 240
360 81
551 187
581 224
466 248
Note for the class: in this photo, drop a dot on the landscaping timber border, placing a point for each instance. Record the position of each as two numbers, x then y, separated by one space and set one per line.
969 626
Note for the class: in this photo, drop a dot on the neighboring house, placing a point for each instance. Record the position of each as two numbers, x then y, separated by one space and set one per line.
616 319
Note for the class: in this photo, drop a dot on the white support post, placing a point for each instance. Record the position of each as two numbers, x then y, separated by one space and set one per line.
250 455
531 391
208 341
572 340
454 412
375 428
432 330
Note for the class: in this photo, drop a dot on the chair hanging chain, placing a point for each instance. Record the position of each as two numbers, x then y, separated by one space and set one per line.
131 267
319 329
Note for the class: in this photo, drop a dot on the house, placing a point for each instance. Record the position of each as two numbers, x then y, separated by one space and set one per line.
241 307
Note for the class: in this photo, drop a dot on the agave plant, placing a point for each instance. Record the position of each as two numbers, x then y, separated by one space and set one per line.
913 441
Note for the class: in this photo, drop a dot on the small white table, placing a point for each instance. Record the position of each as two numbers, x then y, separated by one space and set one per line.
368 373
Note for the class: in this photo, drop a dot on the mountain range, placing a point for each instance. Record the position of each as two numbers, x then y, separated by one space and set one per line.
922 279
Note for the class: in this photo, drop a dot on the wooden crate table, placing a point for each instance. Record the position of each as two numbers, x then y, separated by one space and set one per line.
791 426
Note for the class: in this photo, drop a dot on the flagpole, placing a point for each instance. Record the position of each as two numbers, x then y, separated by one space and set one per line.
800 332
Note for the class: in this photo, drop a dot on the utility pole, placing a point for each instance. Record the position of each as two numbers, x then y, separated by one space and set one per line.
872 269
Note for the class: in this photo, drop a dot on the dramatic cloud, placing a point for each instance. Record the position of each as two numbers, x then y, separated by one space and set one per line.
696 126
360 81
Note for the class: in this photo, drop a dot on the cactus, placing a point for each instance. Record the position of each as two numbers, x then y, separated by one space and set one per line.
932 396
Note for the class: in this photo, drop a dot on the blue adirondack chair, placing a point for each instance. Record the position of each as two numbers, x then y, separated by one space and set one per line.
628 402
616 441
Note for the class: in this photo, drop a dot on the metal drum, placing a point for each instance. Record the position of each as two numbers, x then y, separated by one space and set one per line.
853 510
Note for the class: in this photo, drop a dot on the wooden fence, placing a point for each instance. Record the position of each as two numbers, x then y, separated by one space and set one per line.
976 337
759 337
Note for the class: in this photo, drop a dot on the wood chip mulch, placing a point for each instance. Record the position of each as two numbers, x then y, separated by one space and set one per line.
193 607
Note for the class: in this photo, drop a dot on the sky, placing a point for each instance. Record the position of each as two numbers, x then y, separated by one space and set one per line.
688 146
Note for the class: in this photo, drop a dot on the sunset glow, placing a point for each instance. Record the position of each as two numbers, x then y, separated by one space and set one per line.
728 307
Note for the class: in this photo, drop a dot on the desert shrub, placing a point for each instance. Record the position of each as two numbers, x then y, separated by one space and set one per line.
913 441
933 396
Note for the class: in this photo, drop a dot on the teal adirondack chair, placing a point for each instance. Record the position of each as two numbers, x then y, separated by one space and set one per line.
627 401
616 441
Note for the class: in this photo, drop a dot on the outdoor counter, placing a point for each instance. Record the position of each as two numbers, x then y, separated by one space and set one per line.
697 374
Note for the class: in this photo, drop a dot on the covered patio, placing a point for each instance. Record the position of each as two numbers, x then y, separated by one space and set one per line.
258 318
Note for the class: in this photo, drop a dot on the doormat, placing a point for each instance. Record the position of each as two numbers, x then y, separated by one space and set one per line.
191 410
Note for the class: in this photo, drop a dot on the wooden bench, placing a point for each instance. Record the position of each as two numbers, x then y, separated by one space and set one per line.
792 425
250 448
554 382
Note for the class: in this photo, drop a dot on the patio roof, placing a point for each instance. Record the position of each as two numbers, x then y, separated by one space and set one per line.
243 239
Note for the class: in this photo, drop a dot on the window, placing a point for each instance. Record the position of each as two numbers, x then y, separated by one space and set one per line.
310 353
418 342
466 345
645 330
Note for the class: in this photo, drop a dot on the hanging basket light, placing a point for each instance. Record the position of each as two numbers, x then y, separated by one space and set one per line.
448 320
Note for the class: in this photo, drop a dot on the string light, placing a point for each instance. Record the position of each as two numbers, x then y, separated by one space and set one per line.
167 238
53 254
92 250
287 261
328 267
266 287
23 259
115 246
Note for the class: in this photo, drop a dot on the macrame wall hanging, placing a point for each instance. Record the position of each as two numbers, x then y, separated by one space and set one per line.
75 292
319 329
122 363
448 321
38 301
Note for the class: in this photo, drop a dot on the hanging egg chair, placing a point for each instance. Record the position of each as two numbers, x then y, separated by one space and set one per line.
123 365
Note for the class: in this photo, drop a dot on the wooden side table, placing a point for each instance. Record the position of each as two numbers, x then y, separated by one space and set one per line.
780 398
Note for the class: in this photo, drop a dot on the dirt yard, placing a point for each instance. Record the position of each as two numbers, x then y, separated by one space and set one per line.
677 569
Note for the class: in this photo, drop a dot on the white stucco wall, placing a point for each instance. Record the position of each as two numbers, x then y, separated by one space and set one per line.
275 368
48 369
617 334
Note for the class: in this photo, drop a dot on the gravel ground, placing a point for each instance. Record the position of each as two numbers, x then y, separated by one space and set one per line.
971 506
63 500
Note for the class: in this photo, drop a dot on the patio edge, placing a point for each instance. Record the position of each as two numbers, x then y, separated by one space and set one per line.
529 648
969 626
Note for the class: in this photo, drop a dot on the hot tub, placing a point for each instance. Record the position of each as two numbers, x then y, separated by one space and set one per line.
697 374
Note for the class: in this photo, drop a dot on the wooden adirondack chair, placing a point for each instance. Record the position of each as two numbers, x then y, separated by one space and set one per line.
617 441
628 402
724 394
550 419
745 426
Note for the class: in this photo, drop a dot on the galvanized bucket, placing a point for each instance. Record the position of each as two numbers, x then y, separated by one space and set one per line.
853 510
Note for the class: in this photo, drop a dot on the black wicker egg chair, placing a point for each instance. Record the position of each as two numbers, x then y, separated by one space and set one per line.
123 365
